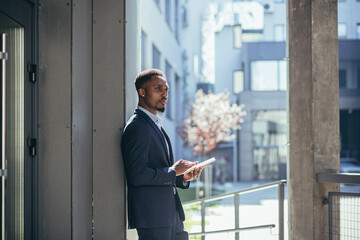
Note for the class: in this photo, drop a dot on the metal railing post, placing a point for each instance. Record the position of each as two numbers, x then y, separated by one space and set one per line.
237 217
281 210
203 219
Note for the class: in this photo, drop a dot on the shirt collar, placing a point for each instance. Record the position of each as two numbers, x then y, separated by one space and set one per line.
153 117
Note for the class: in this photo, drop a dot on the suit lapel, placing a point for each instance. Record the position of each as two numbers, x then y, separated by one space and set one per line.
159 133
170 148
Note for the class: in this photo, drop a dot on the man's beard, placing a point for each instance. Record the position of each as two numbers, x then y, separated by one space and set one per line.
161 109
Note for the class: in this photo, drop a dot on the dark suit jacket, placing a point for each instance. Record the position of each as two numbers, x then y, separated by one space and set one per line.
151 199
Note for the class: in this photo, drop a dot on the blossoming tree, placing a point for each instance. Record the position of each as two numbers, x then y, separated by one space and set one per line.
212 120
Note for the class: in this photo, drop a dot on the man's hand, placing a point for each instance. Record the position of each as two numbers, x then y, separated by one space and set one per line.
194 174
182 165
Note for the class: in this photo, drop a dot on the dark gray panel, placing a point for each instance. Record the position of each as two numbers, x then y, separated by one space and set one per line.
108 119
82 120
265 51
54 120
349 50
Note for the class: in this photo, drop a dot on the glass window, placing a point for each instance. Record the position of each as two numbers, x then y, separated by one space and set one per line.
349 136
177 19
268 76
184 16
167 12
269 137
342 30
342 78
196 65
237 36
155 57
349 72
236 19
238 82
282 76
15 122
279 33
168 73
358 31
143 50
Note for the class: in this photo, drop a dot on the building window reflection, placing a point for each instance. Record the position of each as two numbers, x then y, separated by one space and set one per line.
349 74
143 50
268 76
279 33
237 32
269 135
168 73
155 57
342 31
350 133
238 86
167 12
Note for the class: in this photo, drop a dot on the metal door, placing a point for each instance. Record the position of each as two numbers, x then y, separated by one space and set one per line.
17 120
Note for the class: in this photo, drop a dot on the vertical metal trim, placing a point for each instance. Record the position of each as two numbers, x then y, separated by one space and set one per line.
202 219
3 134
281 210
237 214
330 196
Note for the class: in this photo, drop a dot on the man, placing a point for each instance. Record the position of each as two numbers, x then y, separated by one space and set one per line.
154 206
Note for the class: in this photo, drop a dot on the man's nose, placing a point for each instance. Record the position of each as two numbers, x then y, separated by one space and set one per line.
165 93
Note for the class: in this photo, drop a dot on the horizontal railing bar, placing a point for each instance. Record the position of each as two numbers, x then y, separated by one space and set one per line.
233 230
348 178
240 192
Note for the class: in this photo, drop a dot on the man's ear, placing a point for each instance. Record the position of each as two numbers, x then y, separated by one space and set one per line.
141 92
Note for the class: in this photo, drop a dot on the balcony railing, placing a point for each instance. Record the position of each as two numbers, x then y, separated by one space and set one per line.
236 195
344 208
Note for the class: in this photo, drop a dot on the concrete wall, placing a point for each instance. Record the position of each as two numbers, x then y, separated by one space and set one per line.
84 100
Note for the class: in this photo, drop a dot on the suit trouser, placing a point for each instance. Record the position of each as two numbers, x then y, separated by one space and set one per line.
176 232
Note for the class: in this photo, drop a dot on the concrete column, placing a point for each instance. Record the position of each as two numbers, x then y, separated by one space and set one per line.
313 114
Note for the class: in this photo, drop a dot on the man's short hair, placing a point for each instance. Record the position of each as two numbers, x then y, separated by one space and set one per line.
145 76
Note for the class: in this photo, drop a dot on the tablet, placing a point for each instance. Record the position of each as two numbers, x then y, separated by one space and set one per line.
204 163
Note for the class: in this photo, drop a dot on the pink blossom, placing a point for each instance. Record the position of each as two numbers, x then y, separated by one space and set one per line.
212 120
